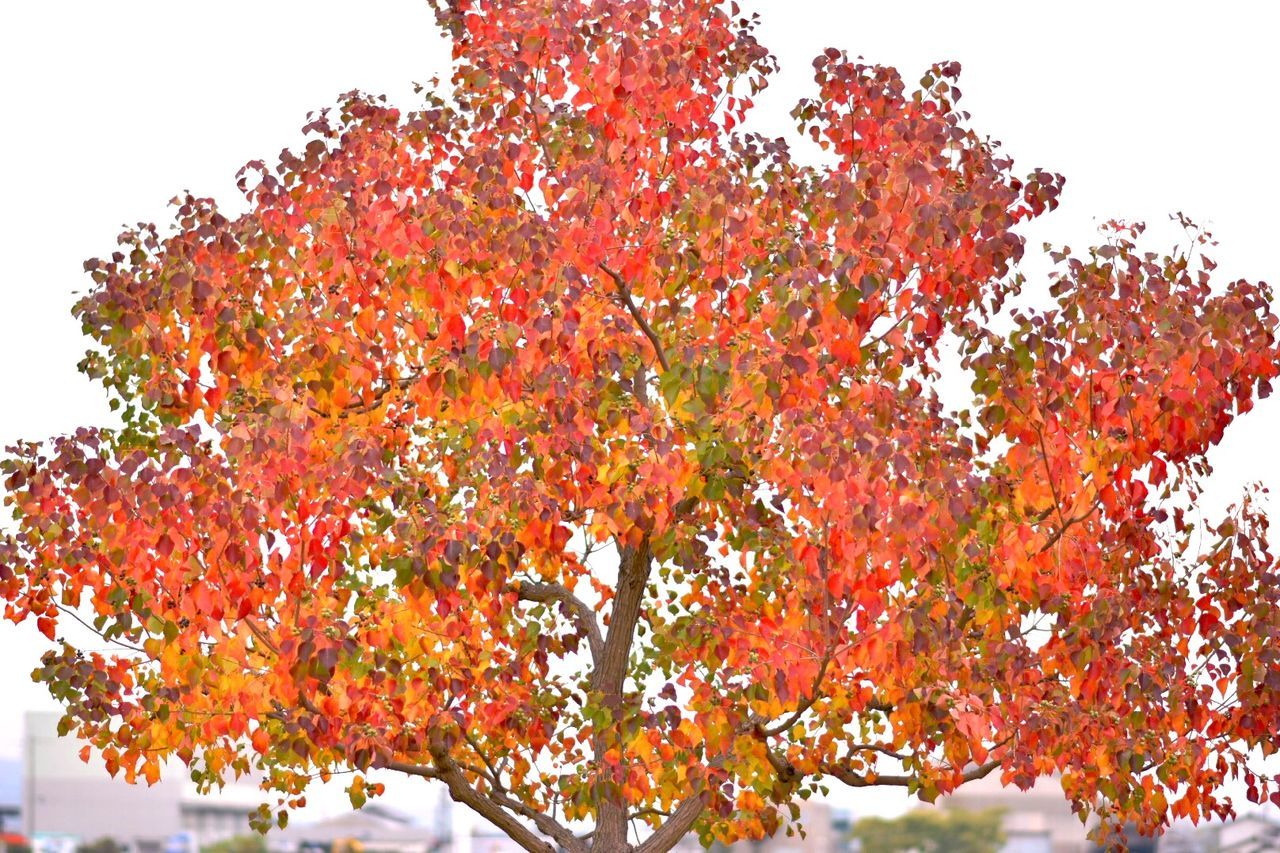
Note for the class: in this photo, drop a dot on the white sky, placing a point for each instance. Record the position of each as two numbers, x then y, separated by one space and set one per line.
110 109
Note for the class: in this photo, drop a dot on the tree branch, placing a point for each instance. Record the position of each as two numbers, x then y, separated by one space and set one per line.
566 839
858 780
499 794
625 292
676 826
413 769
360 408
582 614
447 771
1068 524
76 616
806 704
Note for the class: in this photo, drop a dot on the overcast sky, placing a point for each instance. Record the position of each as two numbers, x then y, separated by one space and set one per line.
112 108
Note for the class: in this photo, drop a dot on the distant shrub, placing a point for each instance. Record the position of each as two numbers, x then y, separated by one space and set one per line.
933 831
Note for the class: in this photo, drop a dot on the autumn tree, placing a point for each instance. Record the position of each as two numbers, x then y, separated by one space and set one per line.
565 443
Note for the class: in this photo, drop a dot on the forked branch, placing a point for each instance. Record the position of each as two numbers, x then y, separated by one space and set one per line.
581 613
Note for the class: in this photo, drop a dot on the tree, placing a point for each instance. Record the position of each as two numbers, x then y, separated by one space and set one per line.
105 844
568 445
933 831
237 844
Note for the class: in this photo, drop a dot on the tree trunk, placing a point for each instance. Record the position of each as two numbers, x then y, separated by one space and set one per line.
610 677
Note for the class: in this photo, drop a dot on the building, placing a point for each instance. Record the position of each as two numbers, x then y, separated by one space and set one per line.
1185 837
1251 833
378 829
66 801
10 796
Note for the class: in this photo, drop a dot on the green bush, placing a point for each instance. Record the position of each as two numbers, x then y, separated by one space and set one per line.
104 844
239 844
933 831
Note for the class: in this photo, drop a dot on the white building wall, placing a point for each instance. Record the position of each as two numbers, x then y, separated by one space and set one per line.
65 796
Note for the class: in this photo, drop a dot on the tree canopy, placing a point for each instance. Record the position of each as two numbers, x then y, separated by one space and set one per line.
562 441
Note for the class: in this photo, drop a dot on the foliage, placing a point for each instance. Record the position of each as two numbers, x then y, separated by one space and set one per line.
566 444
101 845
933 831
1132 839
237 844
